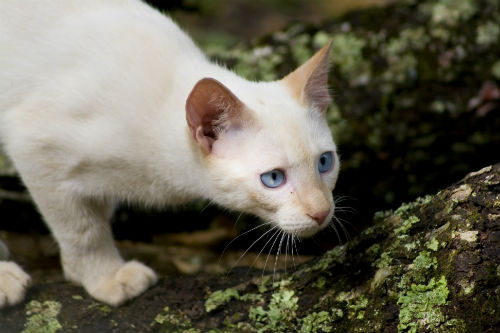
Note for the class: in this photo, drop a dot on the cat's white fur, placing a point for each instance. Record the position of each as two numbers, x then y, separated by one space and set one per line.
93 102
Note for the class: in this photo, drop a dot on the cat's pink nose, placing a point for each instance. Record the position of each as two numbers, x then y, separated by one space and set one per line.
319 217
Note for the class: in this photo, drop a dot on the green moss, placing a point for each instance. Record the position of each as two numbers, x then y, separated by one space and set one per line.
316 321
433 244
251 297
412 245
449 12
321 38
279 315
234 323
420 201
420 306
301 49
418 270
102 308
488 33
347 54
320 283
263 284
42 317
495 70
255 64
220 297
408 39
385 260
406 225
173 321
335 255
356 307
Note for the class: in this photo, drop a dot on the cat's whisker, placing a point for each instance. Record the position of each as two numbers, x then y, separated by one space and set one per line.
294 246
332 225
345 221
278 253
261 250
238 218
342 198
286 249
246 232
239 259
210 202
346 232
270 250
345 209
341 224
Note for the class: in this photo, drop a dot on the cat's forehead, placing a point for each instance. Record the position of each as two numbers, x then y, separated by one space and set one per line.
285 121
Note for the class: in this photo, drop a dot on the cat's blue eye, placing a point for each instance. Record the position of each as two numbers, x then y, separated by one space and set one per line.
325 162
273 178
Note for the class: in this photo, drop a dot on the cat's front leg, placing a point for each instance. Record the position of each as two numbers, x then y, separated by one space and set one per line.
88 252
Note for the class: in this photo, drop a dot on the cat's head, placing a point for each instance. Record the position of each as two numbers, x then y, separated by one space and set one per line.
267 146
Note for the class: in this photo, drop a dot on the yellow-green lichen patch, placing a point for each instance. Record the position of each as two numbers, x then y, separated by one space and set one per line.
433 244
385 260
495 70
399 53
356 307
420 201
320 282
335 255
102 308
467 287
42 317
420 306
347 54
488 33
406 225
173 321
317 321
220 297
279 316
300 48
449 12
418 270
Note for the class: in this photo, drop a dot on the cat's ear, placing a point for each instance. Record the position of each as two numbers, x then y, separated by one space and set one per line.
309 83
211 110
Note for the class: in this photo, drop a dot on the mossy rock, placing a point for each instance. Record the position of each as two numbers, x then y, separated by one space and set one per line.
432 265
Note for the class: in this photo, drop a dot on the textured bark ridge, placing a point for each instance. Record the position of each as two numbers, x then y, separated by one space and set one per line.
416 105
432 265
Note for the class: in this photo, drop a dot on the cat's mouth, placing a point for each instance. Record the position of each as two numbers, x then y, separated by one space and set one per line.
304 230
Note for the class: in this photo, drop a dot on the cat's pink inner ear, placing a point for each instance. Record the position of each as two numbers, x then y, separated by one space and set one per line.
309 83
211 109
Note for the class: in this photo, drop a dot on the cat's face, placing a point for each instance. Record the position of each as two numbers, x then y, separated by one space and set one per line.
271 153
283 168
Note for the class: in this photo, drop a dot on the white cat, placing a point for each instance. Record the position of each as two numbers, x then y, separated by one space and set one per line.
104 101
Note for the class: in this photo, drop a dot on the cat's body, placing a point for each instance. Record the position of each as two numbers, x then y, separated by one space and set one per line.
108 100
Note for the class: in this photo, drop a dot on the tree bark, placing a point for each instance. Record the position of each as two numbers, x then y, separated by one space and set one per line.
432 265
417 104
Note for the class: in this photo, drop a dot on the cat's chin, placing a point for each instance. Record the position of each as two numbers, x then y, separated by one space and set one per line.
303 231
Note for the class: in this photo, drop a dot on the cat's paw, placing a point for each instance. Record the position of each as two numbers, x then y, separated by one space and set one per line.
132 279
13 283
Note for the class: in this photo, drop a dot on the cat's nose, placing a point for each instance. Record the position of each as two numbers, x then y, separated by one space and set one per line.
320 216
